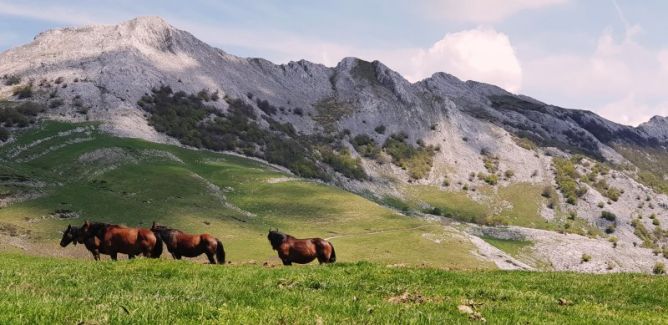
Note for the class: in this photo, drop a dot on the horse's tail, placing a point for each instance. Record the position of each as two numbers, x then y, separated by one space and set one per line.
332 257
157 248
220 252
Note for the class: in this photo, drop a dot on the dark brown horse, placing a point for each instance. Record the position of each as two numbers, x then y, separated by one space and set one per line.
114 239
292 250
73 235
181 244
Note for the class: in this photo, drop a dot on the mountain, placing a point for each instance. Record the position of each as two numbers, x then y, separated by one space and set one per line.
507 165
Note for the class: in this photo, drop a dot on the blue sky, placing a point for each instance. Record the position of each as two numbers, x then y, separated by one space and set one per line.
609 56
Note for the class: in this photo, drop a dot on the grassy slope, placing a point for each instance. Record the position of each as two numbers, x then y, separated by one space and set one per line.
180 194
46 290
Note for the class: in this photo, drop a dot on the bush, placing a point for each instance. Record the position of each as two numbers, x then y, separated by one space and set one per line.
22 92
607 215
4 134
659 268
491 179
509 174
366 146
566 178
344 163
55 103
266 107
610 229
585 258
12 80
380 129
417 161
298 111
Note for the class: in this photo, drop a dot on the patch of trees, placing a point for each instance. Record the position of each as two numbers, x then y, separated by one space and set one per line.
188 119
17 115
417 160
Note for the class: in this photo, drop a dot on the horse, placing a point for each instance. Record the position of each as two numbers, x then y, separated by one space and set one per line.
181 244
73 235
302 251
114 239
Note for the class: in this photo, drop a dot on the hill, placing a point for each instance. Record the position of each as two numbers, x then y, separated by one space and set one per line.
63 173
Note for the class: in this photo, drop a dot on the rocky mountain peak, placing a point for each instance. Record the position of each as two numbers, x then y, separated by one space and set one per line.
656 127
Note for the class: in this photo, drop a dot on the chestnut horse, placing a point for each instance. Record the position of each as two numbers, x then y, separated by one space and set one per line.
73 235
292 250
181 244
114 239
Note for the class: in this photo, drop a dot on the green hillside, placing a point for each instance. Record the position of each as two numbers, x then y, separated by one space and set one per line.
67 173
48 290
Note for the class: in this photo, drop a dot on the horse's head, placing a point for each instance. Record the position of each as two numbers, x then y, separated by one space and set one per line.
276 238
70 235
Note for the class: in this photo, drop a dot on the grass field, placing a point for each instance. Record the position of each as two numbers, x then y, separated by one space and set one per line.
76 168
50 290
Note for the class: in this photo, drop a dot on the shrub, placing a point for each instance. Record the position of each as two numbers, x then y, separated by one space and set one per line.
613 194
55 103
22 92
59 80
266 107
613 240
585 258
366 146
491 179
566 178
659 268
525 143
656 222
204 95
610 229
4 134
417 161
344 163
12 80
607 215
380 129
298 111
509 174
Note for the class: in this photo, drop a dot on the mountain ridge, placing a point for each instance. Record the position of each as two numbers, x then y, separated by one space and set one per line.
361 126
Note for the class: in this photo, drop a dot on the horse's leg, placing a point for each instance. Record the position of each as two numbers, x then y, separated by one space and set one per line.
210 256
96 255
287 262
114 256
130 256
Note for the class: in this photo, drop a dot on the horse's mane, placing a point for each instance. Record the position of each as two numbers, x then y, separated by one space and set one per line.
96 229
161 228
276 238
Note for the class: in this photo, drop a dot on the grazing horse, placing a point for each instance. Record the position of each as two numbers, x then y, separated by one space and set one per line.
73 235
292 250
114 239
181 244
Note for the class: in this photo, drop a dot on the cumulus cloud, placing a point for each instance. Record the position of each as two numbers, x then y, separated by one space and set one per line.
621 79
483 11
481 54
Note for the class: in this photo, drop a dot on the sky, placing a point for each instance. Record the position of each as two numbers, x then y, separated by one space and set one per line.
607 56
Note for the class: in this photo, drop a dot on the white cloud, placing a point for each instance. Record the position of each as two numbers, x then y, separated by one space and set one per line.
483 11
630 110
621 79
481 54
